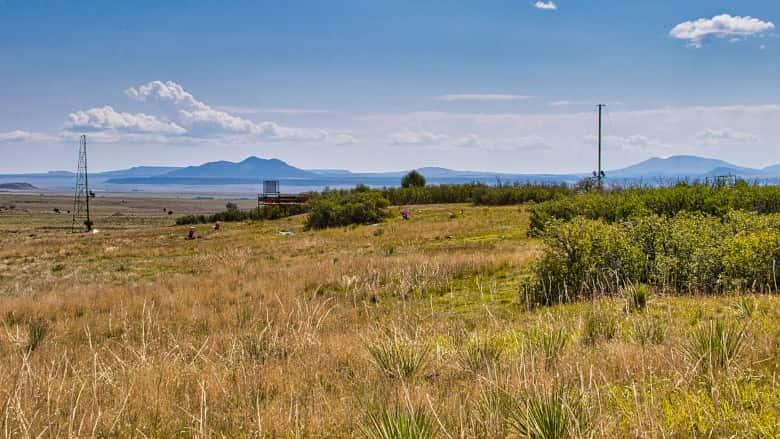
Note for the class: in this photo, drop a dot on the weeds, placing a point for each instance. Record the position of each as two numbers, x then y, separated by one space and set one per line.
746 306
492 412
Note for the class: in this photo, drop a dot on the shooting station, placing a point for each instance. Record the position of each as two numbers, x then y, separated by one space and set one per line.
272 195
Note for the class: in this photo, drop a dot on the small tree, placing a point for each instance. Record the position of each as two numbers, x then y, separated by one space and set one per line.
231 206
413 179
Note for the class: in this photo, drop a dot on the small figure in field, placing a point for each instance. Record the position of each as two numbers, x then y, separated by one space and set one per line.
217 226
405 214
191 234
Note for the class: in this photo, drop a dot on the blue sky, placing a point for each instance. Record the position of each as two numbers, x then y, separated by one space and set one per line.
383 85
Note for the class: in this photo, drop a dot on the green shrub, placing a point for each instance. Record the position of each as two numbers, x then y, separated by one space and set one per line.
266 212
356 207
413 179
686 253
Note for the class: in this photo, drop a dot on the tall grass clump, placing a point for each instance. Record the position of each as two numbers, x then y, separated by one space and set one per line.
480 354
492 412
550 342
399 357
599 325
555 414
649 331
398 423
37 328
636 297
715 344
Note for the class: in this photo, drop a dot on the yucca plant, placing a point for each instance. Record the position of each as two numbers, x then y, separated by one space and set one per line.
399 357
555 414
480 354
492 413
636 297
648 330
715 344
599 325
398 423
746 306
551 342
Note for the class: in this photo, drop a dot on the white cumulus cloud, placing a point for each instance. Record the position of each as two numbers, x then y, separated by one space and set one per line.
106 118
548 5
722 26
202 119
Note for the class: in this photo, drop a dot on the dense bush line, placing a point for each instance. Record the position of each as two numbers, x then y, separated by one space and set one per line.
268 212
477 193
619 204
685 253
341 208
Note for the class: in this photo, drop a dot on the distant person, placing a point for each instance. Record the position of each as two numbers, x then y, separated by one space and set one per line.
217 226
191 233
405 214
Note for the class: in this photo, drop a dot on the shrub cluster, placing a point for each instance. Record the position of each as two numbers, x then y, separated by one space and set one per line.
477 193
343 208
620 204
267 212
685 253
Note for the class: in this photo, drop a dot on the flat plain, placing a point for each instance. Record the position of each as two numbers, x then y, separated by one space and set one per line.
246 332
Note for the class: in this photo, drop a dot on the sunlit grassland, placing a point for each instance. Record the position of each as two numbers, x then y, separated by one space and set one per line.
135 330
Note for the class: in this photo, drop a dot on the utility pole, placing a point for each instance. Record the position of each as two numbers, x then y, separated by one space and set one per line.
600 174
82 194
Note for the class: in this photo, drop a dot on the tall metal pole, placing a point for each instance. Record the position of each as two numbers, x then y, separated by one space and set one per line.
600 174
86 180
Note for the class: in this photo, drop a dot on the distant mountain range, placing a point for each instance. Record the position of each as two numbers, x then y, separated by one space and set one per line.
253 169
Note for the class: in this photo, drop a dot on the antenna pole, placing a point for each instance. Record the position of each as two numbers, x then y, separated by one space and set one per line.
600 173
88 223
82 193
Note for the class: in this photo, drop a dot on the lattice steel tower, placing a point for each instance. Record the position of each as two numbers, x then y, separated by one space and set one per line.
82 195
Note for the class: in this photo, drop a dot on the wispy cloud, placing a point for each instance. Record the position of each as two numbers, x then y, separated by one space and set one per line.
565 103
21 136
236 109
298 111
725 136
548 5
487 97
721 26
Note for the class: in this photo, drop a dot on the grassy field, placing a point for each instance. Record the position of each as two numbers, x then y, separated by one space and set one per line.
136 331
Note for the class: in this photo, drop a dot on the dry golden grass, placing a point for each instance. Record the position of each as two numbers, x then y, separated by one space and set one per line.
248 333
